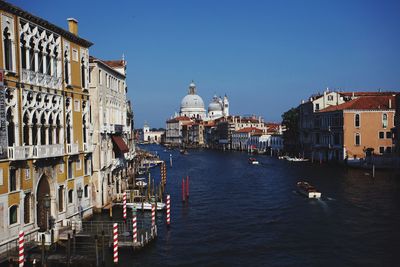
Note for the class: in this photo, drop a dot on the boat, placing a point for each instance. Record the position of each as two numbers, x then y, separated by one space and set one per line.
297 159
253 161
145 205
140 182
308 190
183 151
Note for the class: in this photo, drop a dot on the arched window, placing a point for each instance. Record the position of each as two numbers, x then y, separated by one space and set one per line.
357 120
66 69
23 52
27 207
7 45
43 130
40 58
48 61
13 214
55 62
10 127
357 140
384 120
70 196
32 59
26 129
58 130
83 73
50 130
86 191
61 198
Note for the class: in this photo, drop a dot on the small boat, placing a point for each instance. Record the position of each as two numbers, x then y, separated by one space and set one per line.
145 205
253 161
183 151
141 184
297 159
308 190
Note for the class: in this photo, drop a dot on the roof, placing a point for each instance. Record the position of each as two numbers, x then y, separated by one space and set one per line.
44 23
365 103
179 118
250 130
115 63
93 59
359 94
120 143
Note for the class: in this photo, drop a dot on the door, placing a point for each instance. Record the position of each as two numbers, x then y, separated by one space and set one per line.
41 216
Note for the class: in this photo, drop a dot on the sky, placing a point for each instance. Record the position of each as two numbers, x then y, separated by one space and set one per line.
266 56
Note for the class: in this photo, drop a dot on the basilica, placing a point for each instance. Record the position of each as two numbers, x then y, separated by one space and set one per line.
192 106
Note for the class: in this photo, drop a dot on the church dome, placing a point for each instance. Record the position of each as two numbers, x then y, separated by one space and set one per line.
192 101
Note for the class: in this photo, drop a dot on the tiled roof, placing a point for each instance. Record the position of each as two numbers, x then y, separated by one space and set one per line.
115 63
249 130
365 103
359 94
177 119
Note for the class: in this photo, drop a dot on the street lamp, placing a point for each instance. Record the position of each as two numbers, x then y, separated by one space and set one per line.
47 207
80 192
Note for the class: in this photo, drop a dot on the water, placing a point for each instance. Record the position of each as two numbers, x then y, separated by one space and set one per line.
247 215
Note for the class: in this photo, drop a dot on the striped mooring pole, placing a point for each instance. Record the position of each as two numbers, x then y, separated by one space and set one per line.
187 187
115 244
183 190
168 210
134 227
124 205
21 255
153 215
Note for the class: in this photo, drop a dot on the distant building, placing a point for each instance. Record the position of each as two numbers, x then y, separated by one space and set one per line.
396 129
153 137
173 134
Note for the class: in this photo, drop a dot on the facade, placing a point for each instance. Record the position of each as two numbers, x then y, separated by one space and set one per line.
45 155
246 138
192 105
354 129
396 129
153 137
112 129
173 133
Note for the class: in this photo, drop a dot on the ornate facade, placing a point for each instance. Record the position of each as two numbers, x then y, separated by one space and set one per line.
45 156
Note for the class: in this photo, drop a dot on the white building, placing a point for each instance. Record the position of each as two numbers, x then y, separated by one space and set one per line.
218 108
192 105
111 128
153 137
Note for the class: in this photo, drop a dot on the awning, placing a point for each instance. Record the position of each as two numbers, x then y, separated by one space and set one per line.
120 143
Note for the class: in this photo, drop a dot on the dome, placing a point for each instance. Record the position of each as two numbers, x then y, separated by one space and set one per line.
192 101
214 106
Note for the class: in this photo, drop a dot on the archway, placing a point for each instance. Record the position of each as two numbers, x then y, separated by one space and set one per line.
43 189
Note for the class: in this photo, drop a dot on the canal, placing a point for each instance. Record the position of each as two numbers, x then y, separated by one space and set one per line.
247 215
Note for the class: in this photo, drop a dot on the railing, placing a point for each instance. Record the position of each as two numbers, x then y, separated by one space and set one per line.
40 79
39 151
72 148
9 249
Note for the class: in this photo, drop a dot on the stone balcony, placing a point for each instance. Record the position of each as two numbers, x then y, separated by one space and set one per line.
72 149
40 79
87 147
36 152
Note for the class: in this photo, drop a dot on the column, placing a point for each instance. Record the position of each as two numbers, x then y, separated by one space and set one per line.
39 126
54 134
46 127
30 126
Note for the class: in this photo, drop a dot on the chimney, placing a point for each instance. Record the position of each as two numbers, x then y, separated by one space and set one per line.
73 26
390 103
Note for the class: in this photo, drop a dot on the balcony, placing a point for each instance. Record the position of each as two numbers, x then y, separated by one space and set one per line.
87 147
40 79
72 148
39 151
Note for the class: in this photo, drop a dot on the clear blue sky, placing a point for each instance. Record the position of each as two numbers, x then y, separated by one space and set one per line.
265 55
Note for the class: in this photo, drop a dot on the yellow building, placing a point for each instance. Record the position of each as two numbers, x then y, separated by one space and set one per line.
45 148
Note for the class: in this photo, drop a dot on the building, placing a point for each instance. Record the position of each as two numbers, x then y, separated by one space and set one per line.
45 155
396 129
246 139
153 137
192 105
355 129
173 134
112 128
218 108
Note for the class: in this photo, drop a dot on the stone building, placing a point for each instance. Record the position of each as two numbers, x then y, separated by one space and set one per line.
112 129
45 155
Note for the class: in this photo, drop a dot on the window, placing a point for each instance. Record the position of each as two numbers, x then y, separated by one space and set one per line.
27 208
389 149
48 61
23 51
27 173
357 120
77 104
384 120
78 164
357 139
40 58
74 54
317 106
61 198
7 44
381 149
86 191
87 166
13 180
69 168
389 135
66 68
13 214
83 73
381 135
1 177
55 63
100 78
70 196
32 58
330 97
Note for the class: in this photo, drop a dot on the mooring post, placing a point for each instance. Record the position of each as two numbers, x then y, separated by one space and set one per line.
74 241
170 160
373 170
43 251
183 190
102 248
96 250
187 187
68 249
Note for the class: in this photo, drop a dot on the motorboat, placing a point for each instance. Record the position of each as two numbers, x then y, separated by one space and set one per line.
308 190
297 159
253 161
140 182
139 203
